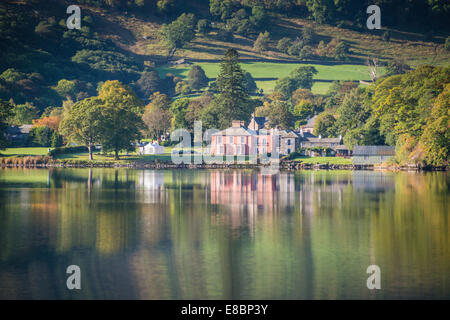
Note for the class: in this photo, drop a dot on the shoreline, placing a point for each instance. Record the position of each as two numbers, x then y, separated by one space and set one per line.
283 166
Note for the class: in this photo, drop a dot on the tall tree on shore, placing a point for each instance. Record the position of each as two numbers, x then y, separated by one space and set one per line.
83 123
121 117
233 100
5 113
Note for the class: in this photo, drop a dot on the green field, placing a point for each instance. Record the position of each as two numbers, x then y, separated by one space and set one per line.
14 152
265 73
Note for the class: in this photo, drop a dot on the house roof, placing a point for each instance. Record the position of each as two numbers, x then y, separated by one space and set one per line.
241 131
287 134
341 147
323 140
374 151
26 128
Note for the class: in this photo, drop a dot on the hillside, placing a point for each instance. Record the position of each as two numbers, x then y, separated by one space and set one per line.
121 43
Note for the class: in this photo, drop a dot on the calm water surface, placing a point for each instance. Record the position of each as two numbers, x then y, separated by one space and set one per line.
144 234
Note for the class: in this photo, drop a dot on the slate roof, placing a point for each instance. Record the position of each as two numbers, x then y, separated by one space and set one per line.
323 140
373 151
241 131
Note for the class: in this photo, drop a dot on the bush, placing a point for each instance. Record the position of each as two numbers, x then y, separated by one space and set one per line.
262 43
284 44
203 26
68 150
225 35
447 44
294 50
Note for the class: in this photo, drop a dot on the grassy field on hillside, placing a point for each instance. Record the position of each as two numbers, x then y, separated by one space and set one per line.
266 73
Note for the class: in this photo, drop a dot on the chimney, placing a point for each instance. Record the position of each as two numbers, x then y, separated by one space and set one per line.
237 123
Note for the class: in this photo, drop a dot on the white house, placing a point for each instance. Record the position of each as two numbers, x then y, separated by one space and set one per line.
151 148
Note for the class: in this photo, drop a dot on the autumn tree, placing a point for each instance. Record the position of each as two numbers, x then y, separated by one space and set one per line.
121 112
5 113
84 123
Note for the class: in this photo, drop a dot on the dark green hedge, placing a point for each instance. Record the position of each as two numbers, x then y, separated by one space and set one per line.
67 150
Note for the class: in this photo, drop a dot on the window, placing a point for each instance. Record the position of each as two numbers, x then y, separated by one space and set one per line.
219 139
288 142
221 150
264 140
230 139
238 150
264 150
288 151
242 140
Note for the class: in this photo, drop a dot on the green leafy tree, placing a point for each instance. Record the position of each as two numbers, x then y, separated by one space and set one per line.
178 33
197 78
323 125
40 136
284 44
262 42
221 8
203 26
179 110
341 52
303 77
286 86
56 140
66 88
23 114
279 115
5 114
121 117
250 83
436 136
84 123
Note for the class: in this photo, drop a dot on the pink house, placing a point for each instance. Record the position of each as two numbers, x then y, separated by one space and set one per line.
238 140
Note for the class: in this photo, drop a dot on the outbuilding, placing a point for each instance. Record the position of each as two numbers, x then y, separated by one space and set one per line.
372 154
151 148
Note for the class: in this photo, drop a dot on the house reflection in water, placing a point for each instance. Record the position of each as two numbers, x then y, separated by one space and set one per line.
150 183
255 190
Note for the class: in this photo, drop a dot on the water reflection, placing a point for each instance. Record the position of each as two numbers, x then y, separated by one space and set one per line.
212 234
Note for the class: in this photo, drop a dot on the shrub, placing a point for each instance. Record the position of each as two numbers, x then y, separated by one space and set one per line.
284 44
67 150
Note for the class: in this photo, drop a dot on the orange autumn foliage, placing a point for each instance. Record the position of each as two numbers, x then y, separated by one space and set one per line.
51 122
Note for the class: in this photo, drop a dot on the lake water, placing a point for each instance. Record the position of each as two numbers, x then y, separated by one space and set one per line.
225 234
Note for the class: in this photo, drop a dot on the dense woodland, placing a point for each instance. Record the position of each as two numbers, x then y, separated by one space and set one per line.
60 79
